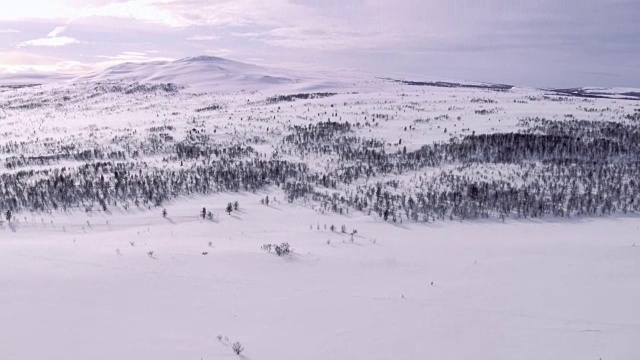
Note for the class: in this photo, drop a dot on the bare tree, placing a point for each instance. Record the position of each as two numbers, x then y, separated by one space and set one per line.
237 348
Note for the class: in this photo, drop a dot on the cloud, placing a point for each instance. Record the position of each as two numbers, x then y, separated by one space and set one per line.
543 41
321 38
223 12
221 52
129 57
22 62
9 31
50 42
150 11
249 35
203 38
57 31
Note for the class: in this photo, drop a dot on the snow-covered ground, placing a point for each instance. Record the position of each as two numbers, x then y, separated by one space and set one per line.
84 287
128 283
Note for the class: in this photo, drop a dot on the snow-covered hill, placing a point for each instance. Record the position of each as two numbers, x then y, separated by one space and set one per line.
214 74
205 71
601 92
429 218
209 73
196 74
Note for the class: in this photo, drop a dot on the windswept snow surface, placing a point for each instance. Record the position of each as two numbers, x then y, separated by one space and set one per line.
127 283
74 287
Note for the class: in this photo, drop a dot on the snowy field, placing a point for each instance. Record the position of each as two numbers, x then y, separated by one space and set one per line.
84 287
103 276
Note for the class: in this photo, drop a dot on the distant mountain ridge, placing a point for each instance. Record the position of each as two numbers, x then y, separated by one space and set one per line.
599 92
448 84
202 72
211 73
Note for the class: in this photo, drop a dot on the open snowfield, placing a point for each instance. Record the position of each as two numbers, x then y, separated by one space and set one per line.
84 287
90 268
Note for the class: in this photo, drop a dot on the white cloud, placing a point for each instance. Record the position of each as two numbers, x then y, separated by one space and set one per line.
57 31
142 10
321 38
203 38
495 38
220 52
9 31
128 56
249 35
50 41
21 62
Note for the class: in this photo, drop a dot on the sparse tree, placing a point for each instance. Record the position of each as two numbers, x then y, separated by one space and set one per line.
237 348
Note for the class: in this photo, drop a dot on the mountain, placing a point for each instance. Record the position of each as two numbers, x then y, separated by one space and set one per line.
10 80
215 74
601 92
206 73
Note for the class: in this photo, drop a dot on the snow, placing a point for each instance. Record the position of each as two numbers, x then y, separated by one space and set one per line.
78 285
208 73
12 79
525 290
615 90
622 93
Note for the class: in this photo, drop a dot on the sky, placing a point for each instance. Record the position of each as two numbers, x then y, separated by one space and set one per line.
542 43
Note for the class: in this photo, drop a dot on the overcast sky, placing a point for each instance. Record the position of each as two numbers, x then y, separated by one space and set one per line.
537 42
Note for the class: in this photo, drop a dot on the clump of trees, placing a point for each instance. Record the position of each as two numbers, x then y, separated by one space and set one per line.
569 168
209 108
294 97
283 249
556 168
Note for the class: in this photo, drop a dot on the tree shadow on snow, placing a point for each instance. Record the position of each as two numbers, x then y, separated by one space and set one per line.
399 225
572 220
291 258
